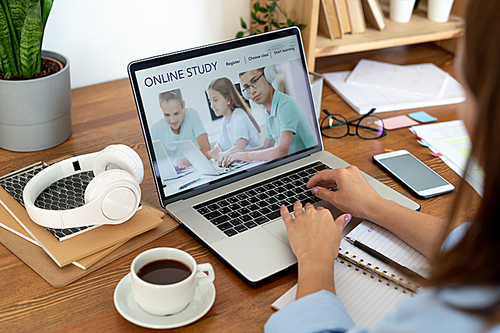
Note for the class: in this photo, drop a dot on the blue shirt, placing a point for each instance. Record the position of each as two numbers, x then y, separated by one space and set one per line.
240 127
191 128
287 115
427 312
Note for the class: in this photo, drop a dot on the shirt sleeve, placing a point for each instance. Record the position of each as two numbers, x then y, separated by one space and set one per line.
455 236
195 122
318 312
288 116
240 122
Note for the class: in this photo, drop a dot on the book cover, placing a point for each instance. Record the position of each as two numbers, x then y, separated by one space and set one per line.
374 15
329 24
356 16
345 22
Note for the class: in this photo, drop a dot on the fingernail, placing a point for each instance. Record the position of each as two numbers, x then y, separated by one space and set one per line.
282 206
314 191
347 218
308 203
298 201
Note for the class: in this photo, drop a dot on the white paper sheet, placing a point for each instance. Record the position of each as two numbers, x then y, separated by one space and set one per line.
452 141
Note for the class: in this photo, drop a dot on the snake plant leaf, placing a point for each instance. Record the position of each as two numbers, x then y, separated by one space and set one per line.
46 7
6 52
31 39
18 10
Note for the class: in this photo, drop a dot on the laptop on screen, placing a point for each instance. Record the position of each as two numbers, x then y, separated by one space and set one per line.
259 90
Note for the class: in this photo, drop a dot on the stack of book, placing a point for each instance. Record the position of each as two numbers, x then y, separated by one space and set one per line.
340 17
61 256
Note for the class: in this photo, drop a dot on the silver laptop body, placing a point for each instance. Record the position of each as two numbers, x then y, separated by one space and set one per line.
261 251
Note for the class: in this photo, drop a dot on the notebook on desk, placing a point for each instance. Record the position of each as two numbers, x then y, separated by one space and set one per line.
369 288
236 214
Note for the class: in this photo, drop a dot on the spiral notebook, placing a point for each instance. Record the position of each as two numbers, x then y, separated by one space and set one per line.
369 288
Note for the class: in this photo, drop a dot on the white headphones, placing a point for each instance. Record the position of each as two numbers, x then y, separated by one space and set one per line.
112 197
269 74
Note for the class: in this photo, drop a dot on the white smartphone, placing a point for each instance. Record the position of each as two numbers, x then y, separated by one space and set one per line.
412 173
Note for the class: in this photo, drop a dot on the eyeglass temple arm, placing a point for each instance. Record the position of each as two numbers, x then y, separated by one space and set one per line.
363 116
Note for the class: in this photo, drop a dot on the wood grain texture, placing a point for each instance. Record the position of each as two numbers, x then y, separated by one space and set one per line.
104 114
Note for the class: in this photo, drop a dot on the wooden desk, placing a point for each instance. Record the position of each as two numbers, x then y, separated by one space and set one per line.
104 114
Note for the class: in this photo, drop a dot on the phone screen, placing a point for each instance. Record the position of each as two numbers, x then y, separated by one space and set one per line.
413 172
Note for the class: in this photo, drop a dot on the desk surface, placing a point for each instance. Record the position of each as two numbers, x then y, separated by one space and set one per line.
104 114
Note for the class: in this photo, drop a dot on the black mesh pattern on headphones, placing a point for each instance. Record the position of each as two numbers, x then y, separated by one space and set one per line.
64 194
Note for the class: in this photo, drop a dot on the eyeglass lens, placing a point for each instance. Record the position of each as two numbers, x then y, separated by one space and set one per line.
370 127
335 126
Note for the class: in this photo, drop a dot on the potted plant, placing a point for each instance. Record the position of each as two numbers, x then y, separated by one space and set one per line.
264 19
35 89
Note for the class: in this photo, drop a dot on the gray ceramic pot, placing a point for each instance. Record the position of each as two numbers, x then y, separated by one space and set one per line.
36 114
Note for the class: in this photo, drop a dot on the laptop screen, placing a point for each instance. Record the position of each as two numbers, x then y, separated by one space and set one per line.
223 112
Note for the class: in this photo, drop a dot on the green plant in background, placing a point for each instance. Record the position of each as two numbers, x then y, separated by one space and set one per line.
264 19
22 23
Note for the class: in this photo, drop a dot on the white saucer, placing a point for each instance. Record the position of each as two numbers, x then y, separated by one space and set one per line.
130 310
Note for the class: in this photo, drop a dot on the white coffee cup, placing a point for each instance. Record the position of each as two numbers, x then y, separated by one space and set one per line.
166 299
400 10
439 10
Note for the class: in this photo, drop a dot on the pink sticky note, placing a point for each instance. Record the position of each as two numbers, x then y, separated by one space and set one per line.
398 122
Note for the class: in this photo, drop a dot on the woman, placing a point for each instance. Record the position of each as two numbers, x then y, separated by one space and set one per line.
179 123
463 294
240 131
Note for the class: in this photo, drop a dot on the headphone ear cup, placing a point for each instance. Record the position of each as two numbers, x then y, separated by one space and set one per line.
119 157
270 74
120 193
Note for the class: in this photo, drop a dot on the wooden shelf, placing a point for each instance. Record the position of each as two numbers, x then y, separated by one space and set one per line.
418 30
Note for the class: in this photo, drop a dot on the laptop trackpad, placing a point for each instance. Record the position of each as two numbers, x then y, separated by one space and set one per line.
278 230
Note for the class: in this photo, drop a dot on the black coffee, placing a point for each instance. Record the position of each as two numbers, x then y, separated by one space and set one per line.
164 272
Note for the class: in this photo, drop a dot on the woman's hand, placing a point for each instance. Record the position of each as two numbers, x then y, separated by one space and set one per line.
315 239
313 233
350 191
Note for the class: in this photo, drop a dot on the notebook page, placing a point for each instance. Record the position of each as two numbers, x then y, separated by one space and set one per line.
403 79
366 299
388 244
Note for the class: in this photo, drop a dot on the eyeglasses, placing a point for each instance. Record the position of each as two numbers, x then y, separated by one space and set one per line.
368 127
253 84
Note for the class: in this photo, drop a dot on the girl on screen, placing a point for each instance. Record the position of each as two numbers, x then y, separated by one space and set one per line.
240 131
179 123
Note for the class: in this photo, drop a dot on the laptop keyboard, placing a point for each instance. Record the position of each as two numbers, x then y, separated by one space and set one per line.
260 203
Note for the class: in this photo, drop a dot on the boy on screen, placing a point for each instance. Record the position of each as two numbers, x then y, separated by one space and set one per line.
287 128
179 123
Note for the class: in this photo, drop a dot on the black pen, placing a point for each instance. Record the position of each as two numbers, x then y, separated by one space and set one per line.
403 269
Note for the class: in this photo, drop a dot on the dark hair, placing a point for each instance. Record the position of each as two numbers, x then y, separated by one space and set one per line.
475 259
226 88
170 95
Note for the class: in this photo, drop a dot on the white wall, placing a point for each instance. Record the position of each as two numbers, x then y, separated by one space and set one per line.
100 37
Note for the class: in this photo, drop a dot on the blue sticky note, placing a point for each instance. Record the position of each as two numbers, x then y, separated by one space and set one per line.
422 117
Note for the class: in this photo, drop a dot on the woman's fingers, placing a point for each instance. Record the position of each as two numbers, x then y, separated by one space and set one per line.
297 209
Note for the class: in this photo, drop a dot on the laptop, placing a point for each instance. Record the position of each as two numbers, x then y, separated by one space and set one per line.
165 167
236 214
200 162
